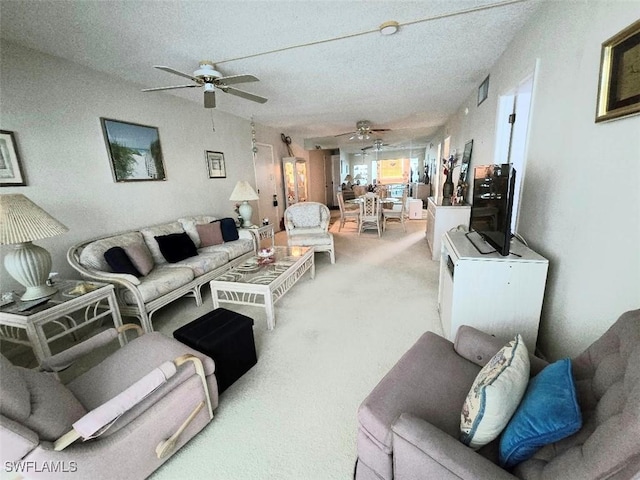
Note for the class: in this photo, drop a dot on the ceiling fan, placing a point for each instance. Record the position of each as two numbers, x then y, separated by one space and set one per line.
208 77
377 145
363 131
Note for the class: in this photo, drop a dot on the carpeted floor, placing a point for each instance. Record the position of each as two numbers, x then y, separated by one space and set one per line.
293 415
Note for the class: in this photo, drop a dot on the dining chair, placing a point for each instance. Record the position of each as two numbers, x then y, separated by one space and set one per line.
347 212
370 214
396 214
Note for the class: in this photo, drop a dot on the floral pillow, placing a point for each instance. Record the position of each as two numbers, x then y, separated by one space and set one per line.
495 394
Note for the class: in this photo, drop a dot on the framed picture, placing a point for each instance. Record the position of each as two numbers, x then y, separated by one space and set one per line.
483 90
619 86
215 164
11 174
134 151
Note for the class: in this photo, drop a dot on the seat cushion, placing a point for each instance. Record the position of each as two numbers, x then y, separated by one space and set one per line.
311 239
495 394
162 279
204 262
233 249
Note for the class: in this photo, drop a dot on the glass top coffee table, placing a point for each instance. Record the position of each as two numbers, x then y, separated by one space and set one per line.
262 281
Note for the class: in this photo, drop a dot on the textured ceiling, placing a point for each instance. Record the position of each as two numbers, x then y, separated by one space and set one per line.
410 82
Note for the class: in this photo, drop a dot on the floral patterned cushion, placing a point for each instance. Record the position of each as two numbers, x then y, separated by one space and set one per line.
495 394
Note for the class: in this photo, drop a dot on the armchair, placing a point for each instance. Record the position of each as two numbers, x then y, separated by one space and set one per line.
307 225
132 411
409 424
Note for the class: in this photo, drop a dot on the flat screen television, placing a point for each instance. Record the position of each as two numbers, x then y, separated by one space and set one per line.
493 191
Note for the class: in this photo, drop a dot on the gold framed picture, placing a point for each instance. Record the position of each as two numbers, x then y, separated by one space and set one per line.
619 86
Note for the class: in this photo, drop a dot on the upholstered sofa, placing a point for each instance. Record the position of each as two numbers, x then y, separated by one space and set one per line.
141 296
409 425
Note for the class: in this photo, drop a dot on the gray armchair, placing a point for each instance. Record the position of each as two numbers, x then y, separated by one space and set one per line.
122 418
409 424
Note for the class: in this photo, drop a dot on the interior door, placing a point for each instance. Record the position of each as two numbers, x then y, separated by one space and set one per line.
265 168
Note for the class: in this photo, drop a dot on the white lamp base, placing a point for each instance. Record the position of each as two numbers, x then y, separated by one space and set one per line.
245 211
30 265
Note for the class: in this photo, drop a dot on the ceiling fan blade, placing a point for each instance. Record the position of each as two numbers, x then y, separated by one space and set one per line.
380 129
343 134
176 72
168 88
209 99
233 79
240 93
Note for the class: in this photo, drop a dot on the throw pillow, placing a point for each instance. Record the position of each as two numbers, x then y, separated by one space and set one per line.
549 412
229 229
176 247
495 394
140 257
119 261
210 234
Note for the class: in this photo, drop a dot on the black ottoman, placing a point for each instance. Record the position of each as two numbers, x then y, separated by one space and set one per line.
225 336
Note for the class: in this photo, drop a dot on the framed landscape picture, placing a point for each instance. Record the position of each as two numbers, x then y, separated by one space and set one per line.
134 151
10 168
215 164
619 86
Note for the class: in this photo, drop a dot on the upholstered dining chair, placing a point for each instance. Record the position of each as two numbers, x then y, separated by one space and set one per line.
347 212
307 225
396 214
370 213
123 418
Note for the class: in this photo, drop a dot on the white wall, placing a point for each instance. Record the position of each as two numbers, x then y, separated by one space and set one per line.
580 200
54 107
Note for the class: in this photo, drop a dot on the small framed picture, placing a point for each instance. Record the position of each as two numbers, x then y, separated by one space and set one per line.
215 164
483 90
134 151
11 174
619 86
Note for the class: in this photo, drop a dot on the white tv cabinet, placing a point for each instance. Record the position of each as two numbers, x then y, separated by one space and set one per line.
498 295
441 218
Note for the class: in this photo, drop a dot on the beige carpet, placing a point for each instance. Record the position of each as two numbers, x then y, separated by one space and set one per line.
293 415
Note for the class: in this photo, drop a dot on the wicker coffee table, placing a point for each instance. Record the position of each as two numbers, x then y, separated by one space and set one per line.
261 282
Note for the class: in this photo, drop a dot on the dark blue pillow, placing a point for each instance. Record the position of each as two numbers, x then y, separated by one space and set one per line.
176 247
120 262
229 229
549 412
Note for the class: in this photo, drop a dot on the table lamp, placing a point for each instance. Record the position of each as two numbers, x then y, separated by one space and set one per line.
243 193
21 222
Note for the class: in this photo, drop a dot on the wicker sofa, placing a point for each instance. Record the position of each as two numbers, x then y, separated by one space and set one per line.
142 296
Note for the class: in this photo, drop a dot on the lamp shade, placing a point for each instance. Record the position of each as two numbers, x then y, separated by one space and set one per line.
243 192
21 220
